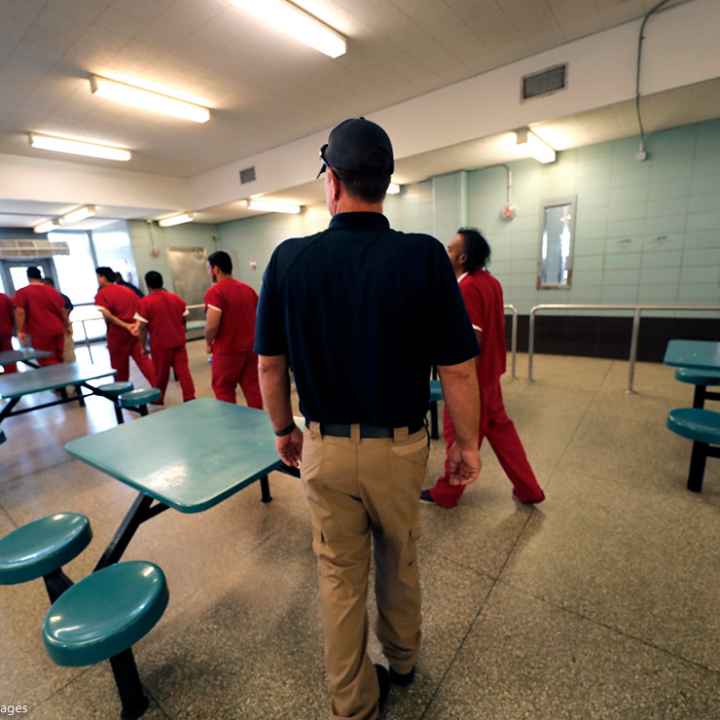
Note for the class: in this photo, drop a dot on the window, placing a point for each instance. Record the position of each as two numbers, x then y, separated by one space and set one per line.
76 271
112 248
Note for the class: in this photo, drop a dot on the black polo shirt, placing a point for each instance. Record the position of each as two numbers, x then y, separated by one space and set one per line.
362 312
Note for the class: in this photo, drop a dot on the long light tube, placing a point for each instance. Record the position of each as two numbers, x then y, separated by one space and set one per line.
76 216
176 220
293 21
266 204
46 226
534 146
78 147
147 100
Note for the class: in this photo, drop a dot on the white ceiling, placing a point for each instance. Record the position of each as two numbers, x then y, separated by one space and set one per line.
681 106
264 89
27 214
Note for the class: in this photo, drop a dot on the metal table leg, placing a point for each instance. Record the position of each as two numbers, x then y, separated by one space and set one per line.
140 511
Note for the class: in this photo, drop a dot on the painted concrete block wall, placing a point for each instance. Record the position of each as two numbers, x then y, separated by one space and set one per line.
189 235
254 239
647 232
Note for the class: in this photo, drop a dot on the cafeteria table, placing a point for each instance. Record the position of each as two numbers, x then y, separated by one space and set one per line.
16 386
693 354
27 356
189 458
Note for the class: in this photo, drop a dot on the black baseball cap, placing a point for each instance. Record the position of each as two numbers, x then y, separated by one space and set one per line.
358 146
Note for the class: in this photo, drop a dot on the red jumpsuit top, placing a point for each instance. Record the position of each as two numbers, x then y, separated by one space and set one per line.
238 304
164 312
44 310
123 304
485 307
7 318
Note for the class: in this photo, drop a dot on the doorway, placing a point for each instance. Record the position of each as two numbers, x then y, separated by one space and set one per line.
13 273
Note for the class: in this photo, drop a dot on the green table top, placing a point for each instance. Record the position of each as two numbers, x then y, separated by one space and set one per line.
190 457
693 354
50 377
13 356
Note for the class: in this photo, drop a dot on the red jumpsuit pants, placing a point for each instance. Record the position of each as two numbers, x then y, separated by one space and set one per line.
121 350
228 371
498 428
50 343
6 346
177 359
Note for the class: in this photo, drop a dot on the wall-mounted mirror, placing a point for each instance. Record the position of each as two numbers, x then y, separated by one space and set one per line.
557 236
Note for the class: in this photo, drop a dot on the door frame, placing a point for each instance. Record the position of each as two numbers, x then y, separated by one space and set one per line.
46 265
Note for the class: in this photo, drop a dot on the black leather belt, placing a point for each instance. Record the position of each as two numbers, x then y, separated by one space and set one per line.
366 431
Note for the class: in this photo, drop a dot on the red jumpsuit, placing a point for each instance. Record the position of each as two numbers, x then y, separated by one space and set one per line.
234 362
483 298
44 319
164 313
7 327
122 345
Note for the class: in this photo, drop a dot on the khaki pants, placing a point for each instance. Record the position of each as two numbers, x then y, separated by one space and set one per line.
69 349
358 489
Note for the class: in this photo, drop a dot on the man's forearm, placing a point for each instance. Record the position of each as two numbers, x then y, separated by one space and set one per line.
275 387
112 319
19 320
462 397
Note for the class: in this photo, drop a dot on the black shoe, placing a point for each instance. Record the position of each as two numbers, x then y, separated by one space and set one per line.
425 496
383 677
402 679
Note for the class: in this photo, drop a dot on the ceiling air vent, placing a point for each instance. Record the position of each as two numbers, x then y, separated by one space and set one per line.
247 175
545 82
21 248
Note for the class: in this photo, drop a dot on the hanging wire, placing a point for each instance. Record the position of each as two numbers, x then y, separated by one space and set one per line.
641 40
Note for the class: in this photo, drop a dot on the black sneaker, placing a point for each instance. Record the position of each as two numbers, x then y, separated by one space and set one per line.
425 496
402 679
383 677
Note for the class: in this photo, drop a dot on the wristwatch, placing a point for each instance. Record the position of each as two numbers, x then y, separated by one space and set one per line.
286 431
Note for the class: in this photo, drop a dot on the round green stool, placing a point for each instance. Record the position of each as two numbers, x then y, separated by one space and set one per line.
41 548
102 617
138 400
701 379
436 396
113 391
703 428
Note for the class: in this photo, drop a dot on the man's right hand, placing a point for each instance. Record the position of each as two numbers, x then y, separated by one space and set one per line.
463 465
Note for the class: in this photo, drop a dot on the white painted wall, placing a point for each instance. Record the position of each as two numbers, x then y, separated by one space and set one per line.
681 49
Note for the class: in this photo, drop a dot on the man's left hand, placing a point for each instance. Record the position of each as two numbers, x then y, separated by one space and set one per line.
289 448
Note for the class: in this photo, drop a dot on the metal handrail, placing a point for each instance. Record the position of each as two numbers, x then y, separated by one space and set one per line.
513 338
637 312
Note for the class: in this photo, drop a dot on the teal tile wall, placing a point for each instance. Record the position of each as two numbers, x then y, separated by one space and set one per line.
646 232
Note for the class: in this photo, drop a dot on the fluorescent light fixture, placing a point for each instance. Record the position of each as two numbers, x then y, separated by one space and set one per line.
266 204
531 144
176 220
77 216
393 189
45 227
78 147
295 22
147 100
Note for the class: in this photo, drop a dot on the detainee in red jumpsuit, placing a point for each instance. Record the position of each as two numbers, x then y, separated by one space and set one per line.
119 307
162 314
41 318
7 329
231 307
469 253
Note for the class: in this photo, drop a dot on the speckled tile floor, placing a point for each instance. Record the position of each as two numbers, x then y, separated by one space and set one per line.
602 603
